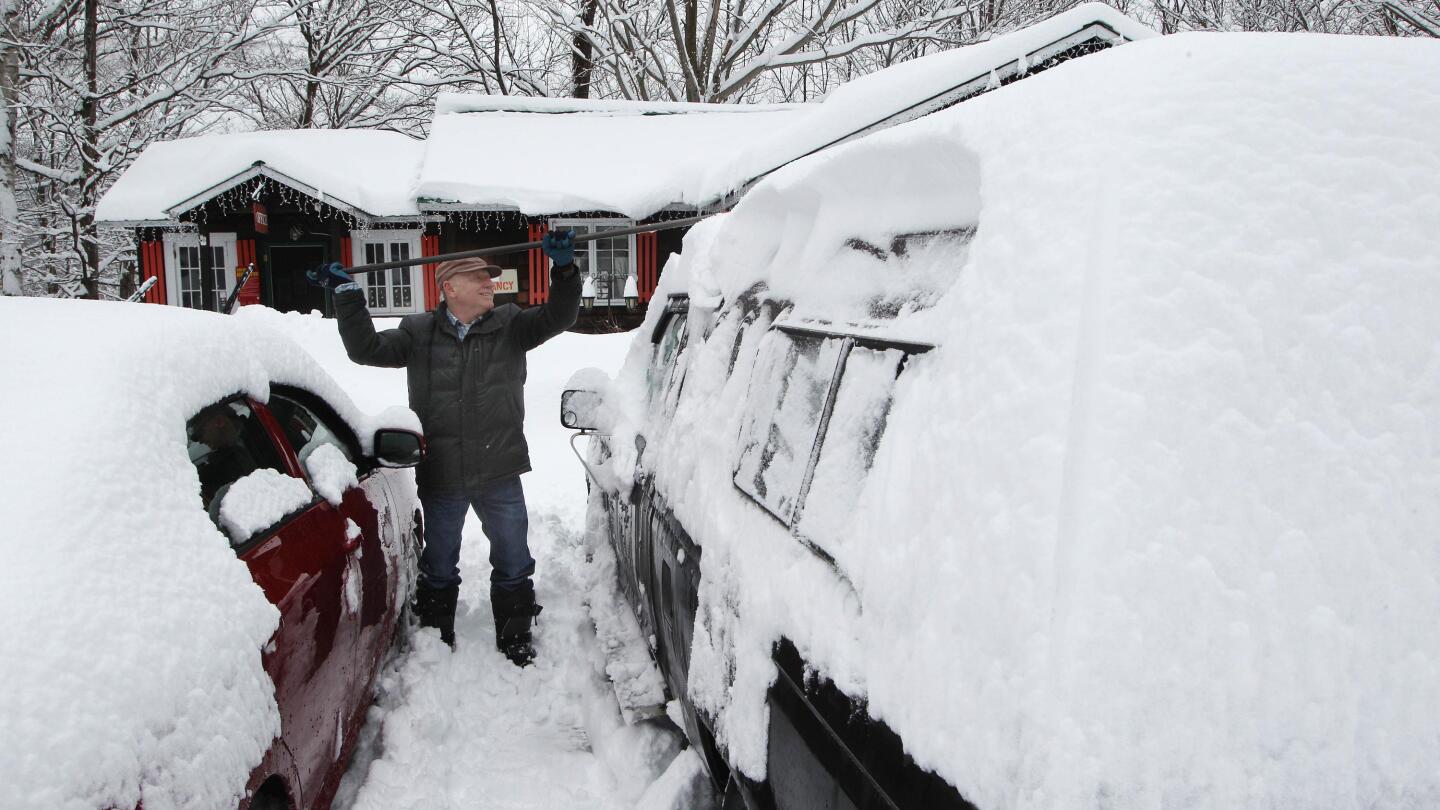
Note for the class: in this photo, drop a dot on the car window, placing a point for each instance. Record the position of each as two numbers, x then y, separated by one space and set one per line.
847 448
786 400
671 344
306 428
226 443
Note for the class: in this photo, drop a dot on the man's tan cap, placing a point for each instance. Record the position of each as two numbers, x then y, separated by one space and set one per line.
457 266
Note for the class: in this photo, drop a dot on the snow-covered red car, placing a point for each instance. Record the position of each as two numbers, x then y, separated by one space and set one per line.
209 553
1073 447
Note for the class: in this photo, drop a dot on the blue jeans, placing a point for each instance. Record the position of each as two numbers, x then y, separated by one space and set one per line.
501 507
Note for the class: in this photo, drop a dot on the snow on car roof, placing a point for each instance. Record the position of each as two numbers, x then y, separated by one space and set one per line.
170 173
1155 523
132 633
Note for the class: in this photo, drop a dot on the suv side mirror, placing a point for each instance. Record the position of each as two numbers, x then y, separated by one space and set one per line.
580 409
398 448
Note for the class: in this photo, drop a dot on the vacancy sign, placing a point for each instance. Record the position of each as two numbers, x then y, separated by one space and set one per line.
508 282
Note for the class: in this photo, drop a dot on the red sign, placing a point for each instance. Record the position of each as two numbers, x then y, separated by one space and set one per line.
262 219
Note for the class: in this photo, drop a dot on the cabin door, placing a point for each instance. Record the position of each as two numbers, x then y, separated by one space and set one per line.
290 291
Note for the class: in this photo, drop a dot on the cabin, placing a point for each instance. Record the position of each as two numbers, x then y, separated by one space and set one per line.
209 212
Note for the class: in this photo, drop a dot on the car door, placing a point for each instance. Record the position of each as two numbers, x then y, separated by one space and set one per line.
299 561
366 508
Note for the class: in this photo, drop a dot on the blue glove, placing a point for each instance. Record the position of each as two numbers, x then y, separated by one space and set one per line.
329 276
560 247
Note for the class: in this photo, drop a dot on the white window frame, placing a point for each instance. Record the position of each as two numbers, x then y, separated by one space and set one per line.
592 246
358 241
175 241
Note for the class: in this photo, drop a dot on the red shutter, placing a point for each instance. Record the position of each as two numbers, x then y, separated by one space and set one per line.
345 255
152 265
245 255
430 246
539 267
648 274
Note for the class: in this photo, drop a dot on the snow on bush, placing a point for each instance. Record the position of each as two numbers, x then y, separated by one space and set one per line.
1154 523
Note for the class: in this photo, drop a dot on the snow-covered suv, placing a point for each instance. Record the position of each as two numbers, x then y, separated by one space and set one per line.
1073 447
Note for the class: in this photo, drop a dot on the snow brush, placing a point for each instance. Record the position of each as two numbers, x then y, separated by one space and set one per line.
515 248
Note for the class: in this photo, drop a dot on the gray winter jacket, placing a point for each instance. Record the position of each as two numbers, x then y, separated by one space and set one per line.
469 396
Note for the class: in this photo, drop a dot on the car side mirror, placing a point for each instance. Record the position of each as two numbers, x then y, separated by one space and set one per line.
580 409
398 448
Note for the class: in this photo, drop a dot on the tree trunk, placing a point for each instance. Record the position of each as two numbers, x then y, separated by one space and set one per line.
691 50
87 241
582 50
495 26
10 269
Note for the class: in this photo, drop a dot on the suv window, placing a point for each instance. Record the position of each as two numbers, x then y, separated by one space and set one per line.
814 416
306 428
227 443
856 424
787 398
659 378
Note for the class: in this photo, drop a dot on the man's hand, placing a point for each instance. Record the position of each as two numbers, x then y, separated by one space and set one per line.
560 247
329 276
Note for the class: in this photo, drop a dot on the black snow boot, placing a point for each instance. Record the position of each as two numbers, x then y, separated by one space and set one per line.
435 607
515 611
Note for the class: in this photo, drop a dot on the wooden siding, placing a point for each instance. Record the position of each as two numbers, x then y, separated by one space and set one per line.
648 274
152 265
539 268
430 246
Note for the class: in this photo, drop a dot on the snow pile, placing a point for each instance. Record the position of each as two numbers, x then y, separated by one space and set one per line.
328 161
1154 523
131 644
259 501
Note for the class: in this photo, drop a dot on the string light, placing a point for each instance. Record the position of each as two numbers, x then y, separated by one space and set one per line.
242 196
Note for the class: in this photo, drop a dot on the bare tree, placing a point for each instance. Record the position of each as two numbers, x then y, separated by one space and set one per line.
719 50
98 81
1387 17
346 63
495 47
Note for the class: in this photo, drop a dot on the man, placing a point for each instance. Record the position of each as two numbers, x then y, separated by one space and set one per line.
465 366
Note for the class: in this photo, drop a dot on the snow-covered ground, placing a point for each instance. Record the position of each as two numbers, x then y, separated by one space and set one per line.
468 729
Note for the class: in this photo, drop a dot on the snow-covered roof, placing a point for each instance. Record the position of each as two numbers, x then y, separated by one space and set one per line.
545 156
468 103
130 633
1155 523
369 172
